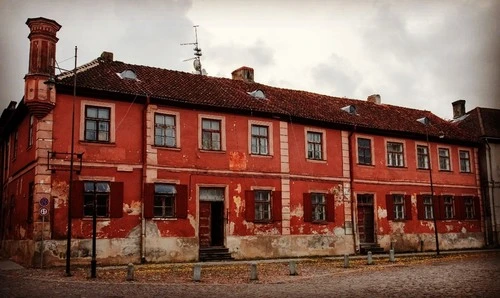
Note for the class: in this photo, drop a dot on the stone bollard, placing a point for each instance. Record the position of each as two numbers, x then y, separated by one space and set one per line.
370 258
346 261
197 273
421 245
130 272
293 268
391 255
253 272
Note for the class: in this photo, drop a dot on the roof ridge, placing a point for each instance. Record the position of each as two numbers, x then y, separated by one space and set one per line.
480 118
79 69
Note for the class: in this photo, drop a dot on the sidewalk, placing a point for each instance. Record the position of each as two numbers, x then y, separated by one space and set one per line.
9 265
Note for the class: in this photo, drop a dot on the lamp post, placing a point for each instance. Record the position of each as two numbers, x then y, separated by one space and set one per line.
425 121
51 83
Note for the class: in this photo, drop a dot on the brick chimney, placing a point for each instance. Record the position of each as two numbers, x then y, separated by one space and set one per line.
375 98
458 108
243 73
38 97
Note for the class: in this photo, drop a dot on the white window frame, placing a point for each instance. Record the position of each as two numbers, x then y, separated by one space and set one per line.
177 117
403 144
450 161
428 164
222 120
270 141
323 144
372 152
460 160
112 120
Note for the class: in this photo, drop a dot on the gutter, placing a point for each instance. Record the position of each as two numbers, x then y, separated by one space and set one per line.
492 192
143 181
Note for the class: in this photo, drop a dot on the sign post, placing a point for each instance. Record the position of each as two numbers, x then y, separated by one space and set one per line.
44 202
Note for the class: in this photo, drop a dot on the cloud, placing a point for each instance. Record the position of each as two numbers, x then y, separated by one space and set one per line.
336 76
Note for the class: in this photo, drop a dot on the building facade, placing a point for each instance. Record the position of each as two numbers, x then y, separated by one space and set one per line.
175 166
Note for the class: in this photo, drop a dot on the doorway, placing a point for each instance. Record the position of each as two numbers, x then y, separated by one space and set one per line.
211 223
366 225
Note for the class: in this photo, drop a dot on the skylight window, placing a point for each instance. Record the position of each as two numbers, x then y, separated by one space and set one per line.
257 94
127 74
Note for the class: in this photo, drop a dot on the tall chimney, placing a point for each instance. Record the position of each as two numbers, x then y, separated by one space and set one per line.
375 98
37 96
243 73
458 108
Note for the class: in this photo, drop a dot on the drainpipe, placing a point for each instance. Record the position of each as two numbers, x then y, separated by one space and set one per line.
144 178
351 182
492 193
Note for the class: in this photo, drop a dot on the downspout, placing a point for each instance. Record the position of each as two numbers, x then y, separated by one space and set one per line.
351 182
491 190
144 177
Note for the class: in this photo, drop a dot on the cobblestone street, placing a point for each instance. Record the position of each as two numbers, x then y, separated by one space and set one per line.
471 275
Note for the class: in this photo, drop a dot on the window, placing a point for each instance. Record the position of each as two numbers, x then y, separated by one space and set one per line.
469 208
14 145
448 207
398 207
364 151
30 131
444 159
260 140
164 201
314 146
464 161
395 157
98 192
165 130
108 197
319 207
211 134
262 205
422 157
97 124
425 207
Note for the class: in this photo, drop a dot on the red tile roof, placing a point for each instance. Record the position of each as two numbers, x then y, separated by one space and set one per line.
181 87
481 122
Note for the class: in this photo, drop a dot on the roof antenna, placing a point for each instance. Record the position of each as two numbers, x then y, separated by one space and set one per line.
197 54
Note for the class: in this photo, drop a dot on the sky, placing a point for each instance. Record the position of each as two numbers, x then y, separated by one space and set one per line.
418 54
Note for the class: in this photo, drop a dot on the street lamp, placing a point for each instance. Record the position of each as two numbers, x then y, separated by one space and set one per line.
51 83
425 121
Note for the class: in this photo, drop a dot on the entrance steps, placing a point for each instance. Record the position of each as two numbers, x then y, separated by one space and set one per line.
364 248
217 253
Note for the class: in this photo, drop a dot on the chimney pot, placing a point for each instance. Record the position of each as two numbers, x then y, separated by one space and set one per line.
375 98
106 56
243 73
458 108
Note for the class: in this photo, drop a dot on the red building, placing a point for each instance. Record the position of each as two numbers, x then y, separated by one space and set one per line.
179 166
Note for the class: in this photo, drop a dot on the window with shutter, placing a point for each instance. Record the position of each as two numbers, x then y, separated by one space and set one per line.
307 207
408 211
277 206
330 207
77 199
390 206
249 206
116 197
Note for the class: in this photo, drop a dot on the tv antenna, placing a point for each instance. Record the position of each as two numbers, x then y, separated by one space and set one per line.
197 53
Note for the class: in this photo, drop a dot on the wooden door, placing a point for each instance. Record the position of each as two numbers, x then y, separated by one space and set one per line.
366 219
204 225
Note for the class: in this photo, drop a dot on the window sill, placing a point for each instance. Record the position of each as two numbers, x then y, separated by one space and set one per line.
466 173
89 218
445 171
91 143
423 169
263 222
316 160
212 151
366 165
397 167
400 220
163 218
324 222
261 155
167 148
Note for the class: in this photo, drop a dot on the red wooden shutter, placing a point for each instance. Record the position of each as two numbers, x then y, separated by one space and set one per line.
116 200
459 207
330 207
477 208
442 210
420 207
307 208
77 199
436 206
149 193
276 205
389 202
408 209
249 206
181 201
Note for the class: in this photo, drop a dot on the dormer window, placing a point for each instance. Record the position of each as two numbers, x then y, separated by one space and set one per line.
127 74
257 94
